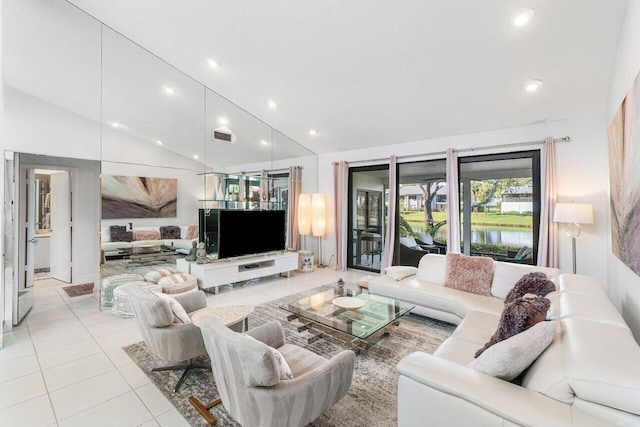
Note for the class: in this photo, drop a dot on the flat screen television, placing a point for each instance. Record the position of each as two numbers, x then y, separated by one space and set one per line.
250 232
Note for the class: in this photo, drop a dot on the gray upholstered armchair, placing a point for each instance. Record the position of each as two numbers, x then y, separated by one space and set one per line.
248 377
173 342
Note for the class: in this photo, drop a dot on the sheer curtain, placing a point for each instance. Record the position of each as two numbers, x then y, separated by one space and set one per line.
390 235
295 181
548 241
453 202
340 206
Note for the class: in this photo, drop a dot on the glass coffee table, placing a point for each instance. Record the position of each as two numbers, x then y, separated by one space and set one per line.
358 327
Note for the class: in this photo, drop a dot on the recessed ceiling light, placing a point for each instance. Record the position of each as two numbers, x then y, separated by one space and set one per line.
522 16
532 85
212 63
159 142
195 156
272 104
116 125
168 90
223 121
313 132
264 142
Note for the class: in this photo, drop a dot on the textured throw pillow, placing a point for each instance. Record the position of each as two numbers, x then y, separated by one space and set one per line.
531 283
469 273
179 313
155 275
145 235
168 232
509 358
283 366
518 316
119 233
178 283
192 232
399 272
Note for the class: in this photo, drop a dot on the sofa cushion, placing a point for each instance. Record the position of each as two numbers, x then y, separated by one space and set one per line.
432 269
436 297
145 235
105 235
546 375
601 363
178 283
589 307
169 232
506 274
509 358
518 316
531 283
469 273
192 232
159 273
119 233
399 272
474 330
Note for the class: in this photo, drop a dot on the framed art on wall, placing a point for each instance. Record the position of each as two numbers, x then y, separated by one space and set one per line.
138 197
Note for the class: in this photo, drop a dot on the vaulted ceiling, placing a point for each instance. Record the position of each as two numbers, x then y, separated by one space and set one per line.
366 73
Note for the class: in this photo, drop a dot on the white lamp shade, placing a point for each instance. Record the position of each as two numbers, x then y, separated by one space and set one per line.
579 213
304 214
318 215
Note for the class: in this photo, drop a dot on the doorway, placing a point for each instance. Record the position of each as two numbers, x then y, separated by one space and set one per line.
368 209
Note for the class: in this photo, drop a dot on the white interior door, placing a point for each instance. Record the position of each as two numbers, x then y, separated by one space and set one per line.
61 226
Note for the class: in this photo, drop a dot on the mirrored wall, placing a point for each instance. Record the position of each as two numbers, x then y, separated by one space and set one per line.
77 89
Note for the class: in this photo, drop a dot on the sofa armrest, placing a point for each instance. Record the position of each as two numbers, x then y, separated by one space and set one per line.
495 396
191 301
270 333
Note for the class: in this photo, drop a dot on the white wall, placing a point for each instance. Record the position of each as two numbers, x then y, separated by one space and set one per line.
623 283
575 181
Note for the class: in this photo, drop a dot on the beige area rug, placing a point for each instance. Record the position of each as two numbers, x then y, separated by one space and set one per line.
372 399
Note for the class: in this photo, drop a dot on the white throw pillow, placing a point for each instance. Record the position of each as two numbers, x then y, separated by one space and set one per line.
283 366
409 242
509 358
426 239
177 309
399 272
505 276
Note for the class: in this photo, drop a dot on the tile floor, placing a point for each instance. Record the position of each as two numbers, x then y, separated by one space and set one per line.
64 364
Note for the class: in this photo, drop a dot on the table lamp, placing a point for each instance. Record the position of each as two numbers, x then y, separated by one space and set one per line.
574 214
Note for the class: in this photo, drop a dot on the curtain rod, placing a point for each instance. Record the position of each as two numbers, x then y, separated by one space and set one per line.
464 150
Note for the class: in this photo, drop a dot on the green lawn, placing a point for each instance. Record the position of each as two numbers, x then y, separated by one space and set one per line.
491 218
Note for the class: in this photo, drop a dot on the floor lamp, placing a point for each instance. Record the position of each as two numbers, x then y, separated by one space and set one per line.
304 215
574 214
319 222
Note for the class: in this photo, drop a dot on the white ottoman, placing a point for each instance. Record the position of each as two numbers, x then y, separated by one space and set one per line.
121 306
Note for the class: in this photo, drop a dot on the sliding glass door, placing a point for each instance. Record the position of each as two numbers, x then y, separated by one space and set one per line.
368 209
422 211
500 205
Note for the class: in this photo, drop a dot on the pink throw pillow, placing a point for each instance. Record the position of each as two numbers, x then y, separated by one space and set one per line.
469 273
192 232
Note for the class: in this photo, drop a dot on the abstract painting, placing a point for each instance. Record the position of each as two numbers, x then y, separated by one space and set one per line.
624 168
138 197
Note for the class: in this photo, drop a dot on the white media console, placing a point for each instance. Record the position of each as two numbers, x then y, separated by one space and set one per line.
226 271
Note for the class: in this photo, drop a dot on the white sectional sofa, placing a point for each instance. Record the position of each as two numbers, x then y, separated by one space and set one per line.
182 245
588 376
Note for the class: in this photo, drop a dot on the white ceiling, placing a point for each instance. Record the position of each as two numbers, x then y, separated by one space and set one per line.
376 72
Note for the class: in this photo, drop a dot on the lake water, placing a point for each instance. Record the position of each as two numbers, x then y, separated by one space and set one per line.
515 237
